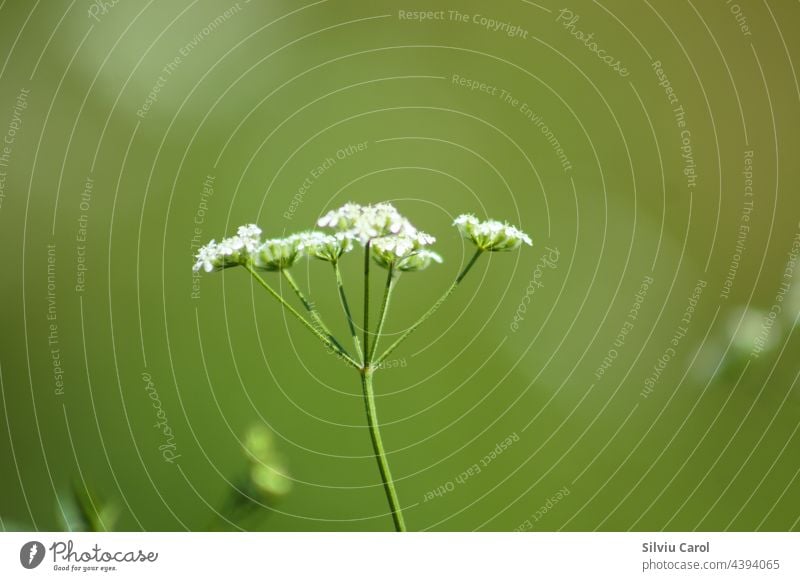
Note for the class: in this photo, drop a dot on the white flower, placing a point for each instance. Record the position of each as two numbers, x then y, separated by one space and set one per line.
216 256
343 218
250 236
230 251
328 247
365 223
396 249
230 246
491 235
278 253
420 260
206 257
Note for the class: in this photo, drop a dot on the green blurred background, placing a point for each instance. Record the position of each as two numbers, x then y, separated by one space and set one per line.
252 97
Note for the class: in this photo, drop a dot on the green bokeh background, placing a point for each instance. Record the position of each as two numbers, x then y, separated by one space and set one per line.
267 96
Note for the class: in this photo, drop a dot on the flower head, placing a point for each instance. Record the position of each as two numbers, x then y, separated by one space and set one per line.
328 247
250 236
399 250
420 260
278 253
228 252
206 257
491 235
365 223
219 255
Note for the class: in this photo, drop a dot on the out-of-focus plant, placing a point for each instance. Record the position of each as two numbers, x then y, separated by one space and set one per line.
264 482
77 509
80 510
747 334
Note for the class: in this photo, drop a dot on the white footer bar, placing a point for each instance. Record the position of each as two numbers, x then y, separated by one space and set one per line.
390 556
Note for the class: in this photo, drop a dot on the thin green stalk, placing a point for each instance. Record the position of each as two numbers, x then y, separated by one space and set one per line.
380 454
300 317
312 311
366 300
348 314
387 294
430 311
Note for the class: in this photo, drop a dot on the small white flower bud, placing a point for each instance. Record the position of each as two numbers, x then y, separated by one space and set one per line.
228 252
399 250
250 235
328 247
277 253
420 260
491 235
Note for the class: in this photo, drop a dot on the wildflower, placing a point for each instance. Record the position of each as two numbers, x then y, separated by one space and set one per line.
365 223
491 235
250 236
394 243
395 250
216 256
419 261
206 257
278 253
342 218
328 247
231 251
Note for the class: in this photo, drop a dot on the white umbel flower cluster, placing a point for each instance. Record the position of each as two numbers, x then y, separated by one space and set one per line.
393 240
419 260
406 253
273 254
364 223
327 247
229 251
491 235
278 253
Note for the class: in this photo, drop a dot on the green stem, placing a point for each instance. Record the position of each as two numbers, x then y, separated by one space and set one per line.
387 293
312 311
380 454
366 300
430 311
300 317
346 306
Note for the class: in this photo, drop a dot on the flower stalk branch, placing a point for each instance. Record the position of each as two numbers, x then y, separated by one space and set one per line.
430 311
328 343
347 313
367 262
309 305
387 294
